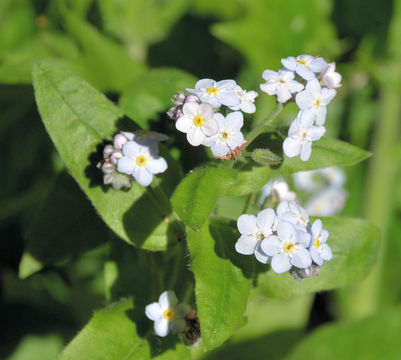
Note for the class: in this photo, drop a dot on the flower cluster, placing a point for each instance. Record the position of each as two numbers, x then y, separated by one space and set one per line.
285 239
301 78
168 316
197 115
132 156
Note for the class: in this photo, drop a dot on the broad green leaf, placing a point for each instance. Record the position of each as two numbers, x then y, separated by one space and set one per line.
44 347
196 196
107 64
117 333
65 226
78 119
354 243
325 152
375 337
152 93
272 29
221 284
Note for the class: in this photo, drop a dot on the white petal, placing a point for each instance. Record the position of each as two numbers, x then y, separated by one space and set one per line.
314 87
260 255
295 86
128 135
184 123
178 325
290 63
325 252
271 245
182 310
206 110
156 165
303 238
226 84
235 140
195 136
245 245
228 98
318 65
307 117
321 115
143 176
126 165
266 218
306 151
191 109
236 120
211 100
304 99
283 95
295 126
328 95
316 256
269 88
316 228
154 311
248 107
324 236
301 258
316 132
132 149
205 83
247 224
282 208
307 58
269 75
287 75
291 147
304 72
167 299
209 140
219 118
220 148
162 327
285 231
210 127
281 263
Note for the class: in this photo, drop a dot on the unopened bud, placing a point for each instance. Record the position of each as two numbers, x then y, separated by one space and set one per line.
302 274
108 167
115 156
107 151
330 77
179 98
119 140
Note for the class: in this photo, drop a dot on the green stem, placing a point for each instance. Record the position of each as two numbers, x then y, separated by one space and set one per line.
268 123
248 203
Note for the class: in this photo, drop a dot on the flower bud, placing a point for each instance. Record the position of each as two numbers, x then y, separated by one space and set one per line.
108 167
115 156
118 141
330 77
191 98
107 151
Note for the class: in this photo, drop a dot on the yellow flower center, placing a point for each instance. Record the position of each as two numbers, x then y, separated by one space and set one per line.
169 314
302 62
318 103
212 90
224 135
199 120
303 137
317 243
141 160
289 247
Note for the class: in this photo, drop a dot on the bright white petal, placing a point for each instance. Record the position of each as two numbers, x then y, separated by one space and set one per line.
191 109
295 86
283 95
271 245
324 236
210 127
226 84
304 99
269 88
321 116
290 63
154 311
305 73
228 98
126 165
220 148
167 299
248 107
282 208
316 256
162 327
260 255
314 87
328 95
204 83
306 151
325 252
266 218
285 231
316 228
247 224
303 238
307 58
318 65
246 245
206 110
236 120
281 263
235 140
269 75
316 132
195 136
184 123
156 165
301 258
132 149
291 147
295 126
143 176
307 117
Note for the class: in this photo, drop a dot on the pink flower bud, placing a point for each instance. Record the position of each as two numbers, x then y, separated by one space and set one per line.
107 151
331 78
192 98
119 140
115 156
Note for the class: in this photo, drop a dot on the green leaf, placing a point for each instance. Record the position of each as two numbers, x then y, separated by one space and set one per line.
221 286
116 333
266 157
196 196
354 243
78 119
65 226
152 93
325 153
376 337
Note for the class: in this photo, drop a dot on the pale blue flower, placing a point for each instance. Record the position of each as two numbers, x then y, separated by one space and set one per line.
305 65
318 248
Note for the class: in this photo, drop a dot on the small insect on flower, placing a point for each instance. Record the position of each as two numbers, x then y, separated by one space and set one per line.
305 65
216 93
254 229
167 314
142 162
318 248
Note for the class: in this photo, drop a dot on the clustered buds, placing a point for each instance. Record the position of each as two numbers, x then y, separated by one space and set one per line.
300 79
197 115
132 156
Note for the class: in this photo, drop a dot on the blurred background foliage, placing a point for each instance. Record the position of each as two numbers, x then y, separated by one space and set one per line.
140 53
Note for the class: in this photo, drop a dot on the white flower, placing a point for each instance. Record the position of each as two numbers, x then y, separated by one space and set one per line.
141 162
229 135
328 202
280 83
279 189
305 180
197 122
294 213
254 229
319 250
287 248
167 314
313 101
305 65
334 175
300 137
247 99
216 93
330 77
